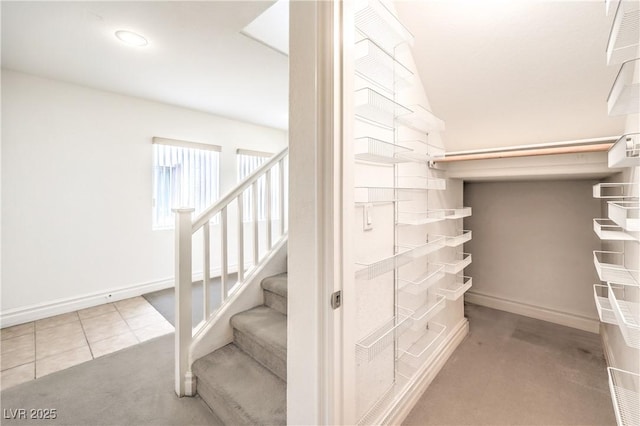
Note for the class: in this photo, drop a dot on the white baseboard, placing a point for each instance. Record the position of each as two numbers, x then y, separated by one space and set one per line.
62 306
570 320
38 311
405 402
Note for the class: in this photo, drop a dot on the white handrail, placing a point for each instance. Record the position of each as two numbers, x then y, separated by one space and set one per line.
185 228
209 213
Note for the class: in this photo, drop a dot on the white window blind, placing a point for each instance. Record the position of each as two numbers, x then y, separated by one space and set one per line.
185 174
248 161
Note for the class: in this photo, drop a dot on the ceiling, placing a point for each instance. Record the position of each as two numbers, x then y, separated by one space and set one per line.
499 72
514 72
196 56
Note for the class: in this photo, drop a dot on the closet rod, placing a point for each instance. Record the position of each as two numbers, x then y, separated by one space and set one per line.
576 149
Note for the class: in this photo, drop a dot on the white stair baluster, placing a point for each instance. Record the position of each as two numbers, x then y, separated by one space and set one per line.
224 258
240 239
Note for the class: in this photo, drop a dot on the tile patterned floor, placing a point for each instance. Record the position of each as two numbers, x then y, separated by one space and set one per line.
48 345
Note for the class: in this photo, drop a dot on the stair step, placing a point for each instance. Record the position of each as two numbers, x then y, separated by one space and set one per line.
262 333
275 292
239 390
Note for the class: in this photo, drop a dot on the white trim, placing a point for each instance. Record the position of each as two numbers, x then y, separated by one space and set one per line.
314 361
185 144
61 306
591 325
399 412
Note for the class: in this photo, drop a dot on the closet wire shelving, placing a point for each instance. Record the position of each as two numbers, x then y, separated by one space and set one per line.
375 107
422 312
423 281
460 261
608 230
420 217
372 345
618 301
603 305
378 151
624 37
376 63
625 214
420 344
625 152
624 386
624 97
457 240
455 289
615 190
625 305
610 268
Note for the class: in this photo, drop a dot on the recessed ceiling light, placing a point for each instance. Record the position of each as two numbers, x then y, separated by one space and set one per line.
131 38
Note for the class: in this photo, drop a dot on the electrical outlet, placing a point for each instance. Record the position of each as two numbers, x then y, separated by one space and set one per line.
368 217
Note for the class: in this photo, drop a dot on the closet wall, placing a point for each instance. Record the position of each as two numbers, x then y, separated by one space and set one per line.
533 247
407 230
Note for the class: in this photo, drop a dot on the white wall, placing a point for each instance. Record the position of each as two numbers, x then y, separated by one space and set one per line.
76 189
532 246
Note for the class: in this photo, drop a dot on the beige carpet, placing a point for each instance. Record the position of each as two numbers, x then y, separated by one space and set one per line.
513 370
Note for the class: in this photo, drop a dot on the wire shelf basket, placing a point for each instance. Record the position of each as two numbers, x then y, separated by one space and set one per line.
423 281
626 214
422 310
372 269
377 66
455 289
422 120
458 213
378 151
457 240
377 108
433 243
625 152
421 345
372 345
624 97
422 182
610 268
460 261
420 218
624 38
377 22
614 190
626 308
608 230
601 297
624 387
375 195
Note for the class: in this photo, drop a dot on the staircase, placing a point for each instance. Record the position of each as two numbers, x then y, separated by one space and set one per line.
244 382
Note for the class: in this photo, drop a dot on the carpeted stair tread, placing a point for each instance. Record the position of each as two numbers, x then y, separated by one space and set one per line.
276 284
266 326
239 390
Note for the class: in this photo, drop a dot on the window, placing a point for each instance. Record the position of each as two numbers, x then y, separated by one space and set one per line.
185 174
248 161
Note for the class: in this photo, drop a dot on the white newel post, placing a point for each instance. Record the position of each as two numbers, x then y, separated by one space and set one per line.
183 284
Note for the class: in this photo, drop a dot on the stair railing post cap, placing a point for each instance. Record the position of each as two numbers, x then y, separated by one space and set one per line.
183 210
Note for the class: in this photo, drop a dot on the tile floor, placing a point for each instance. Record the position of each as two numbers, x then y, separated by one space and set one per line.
48 345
